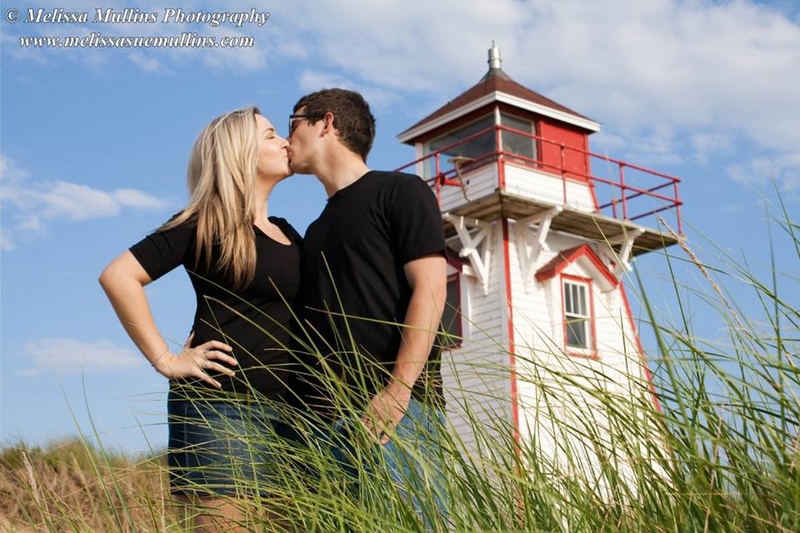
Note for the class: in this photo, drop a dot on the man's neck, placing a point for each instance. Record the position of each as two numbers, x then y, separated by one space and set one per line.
340 174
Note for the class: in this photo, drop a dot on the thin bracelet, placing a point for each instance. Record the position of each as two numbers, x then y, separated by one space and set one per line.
159 358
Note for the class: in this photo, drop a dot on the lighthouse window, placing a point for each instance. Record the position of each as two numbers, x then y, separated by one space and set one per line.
517 143
453 144
577 319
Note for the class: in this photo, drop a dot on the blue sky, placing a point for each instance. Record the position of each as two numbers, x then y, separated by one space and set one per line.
94 146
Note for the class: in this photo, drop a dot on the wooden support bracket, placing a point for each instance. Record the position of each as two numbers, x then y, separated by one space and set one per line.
529 249
476 244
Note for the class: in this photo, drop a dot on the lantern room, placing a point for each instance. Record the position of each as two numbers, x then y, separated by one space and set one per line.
500 149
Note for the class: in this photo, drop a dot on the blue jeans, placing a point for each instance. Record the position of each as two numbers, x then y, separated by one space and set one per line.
413 458
220 447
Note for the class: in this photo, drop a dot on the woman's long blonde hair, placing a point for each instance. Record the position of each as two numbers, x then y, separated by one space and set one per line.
221 178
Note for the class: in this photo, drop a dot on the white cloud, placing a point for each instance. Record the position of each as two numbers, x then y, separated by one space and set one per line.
73 201
709 144
69 356
604 142
783 170
11 173
313 80
6 242
138 200
377 97
29 204
727 69
148 64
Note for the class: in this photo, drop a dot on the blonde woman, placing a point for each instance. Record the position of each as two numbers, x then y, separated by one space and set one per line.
244 267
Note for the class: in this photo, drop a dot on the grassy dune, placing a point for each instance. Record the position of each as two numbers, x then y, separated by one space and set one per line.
71 486
727 456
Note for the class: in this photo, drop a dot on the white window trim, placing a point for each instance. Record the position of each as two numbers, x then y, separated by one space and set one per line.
590 320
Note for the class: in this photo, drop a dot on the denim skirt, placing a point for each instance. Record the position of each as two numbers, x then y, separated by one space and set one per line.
224 447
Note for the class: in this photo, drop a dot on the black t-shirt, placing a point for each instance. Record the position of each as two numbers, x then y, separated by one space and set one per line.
256 321
354 290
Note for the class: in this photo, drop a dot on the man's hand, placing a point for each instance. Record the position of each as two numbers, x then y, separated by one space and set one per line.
385 411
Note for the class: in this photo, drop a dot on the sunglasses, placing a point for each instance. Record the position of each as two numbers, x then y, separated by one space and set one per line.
296 116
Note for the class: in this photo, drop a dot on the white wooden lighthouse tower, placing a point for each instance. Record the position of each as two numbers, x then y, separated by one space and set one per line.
541 231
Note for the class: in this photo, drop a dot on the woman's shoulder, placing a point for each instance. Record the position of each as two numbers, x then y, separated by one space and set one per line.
181 221
286 228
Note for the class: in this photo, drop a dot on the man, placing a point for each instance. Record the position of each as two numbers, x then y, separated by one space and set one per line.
374 281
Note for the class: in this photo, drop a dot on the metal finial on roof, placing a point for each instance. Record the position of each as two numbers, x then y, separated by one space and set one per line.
494 57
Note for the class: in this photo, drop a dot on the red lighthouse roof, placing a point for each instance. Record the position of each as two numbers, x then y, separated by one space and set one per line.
496 86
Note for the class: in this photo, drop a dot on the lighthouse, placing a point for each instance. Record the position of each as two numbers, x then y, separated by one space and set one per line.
540 340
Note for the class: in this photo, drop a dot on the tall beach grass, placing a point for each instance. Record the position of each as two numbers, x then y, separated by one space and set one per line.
719 453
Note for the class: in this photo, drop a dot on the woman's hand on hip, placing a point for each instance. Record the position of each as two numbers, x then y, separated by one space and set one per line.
199 361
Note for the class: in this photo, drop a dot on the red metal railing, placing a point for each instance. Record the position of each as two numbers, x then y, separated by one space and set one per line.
622 191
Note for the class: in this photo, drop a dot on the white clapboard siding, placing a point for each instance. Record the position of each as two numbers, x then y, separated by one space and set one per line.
547 187
478 183
560 414
477 375
567 419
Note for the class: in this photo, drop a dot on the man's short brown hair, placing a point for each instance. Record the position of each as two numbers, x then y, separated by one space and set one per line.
351 116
